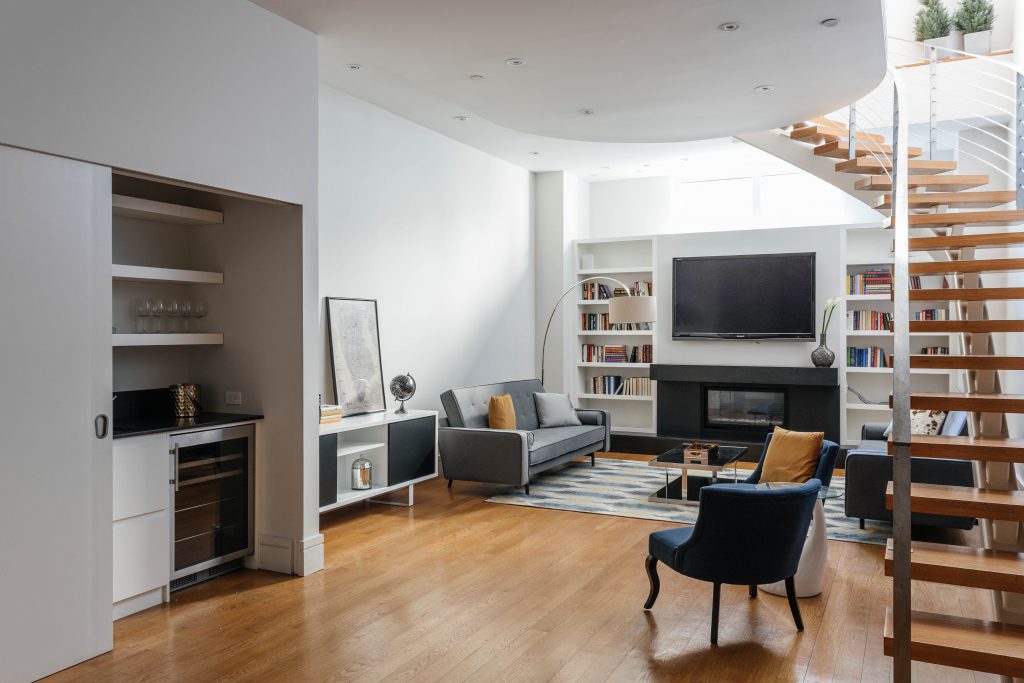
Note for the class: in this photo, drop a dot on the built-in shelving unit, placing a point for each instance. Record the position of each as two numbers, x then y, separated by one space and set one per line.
124 273
163 212
628 260
867 248
177 339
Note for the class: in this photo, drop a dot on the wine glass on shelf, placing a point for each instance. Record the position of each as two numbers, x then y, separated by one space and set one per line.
201 311
173 311
186 315
157 311
141 309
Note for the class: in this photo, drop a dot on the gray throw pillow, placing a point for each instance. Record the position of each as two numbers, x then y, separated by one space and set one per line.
555 410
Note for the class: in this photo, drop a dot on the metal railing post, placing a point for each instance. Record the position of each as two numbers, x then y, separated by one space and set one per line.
1019 142
900 400
932 114
852 132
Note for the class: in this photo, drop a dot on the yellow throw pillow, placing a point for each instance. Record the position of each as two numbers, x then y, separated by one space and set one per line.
792 456
501 413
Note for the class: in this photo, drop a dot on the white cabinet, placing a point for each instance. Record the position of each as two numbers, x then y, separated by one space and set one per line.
141 524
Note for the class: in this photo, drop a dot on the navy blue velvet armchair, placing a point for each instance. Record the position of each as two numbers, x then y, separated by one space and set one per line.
744 535
826 462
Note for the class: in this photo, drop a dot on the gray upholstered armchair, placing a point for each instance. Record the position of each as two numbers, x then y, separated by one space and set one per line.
472 452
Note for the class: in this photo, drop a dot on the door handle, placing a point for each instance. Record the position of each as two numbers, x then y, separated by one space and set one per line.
177 467
101 424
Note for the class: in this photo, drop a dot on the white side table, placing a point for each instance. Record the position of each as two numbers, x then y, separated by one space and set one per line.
810 575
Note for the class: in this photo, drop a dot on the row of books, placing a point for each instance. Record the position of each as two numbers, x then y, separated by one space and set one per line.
617 353
932 314
915 282
329 413
868 320
874 281
593 291
869 357
630 386
600 321
935 350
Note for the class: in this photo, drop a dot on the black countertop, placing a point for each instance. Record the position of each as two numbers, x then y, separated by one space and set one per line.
155 424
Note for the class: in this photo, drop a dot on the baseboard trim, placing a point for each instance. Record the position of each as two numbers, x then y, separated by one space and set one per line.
137 603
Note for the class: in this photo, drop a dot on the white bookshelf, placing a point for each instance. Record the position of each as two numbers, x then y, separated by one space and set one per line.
628 260
863 249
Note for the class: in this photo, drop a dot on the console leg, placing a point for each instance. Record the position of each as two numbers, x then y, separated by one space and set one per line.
450 482
526 489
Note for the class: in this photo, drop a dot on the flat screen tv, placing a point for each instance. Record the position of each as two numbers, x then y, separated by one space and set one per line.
759 296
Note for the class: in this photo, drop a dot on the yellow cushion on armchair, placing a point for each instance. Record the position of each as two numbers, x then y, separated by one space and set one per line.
792 456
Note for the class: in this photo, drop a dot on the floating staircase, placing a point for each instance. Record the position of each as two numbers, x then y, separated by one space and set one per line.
951 215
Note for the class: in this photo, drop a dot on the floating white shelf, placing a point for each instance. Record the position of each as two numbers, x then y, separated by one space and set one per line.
882 408
613 365
614 397
888 371
592 302
883 333
126 273
353 447
162 212
193 339
876 262
869 297
615 333
613 271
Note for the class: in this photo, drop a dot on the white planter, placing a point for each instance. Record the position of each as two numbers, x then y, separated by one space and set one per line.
939 44
979 43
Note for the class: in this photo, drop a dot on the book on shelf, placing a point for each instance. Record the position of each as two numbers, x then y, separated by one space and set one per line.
600 321
868 357
932 314
617 353
935 350
607 385
867 320
596 291
871 281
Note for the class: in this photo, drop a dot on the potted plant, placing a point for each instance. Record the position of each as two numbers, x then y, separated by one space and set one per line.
975 19
933 25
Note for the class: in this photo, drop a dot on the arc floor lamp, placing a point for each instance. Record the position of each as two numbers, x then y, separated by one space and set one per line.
621 309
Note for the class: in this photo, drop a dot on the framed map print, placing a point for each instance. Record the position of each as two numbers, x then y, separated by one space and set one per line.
355 355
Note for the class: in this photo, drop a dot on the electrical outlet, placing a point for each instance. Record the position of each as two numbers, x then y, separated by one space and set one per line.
233 398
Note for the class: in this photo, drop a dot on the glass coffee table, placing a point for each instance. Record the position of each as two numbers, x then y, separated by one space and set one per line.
686 487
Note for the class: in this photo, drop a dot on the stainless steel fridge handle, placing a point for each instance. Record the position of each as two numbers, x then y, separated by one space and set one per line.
177 466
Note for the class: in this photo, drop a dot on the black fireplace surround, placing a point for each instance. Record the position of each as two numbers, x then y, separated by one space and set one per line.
740 404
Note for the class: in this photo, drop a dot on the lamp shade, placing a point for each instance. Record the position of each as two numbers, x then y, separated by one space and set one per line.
632 309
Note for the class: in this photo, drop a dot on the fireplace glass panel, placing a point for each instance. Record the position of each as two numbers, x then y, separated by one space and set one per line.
745 408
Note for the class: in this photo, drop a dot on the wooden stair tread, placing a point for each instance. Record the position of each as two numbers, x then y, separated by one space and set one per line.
989 449
819 134
840 149
963 501
972 403
969 326
946 242
929 182
960 642
871 165
956 565
977 294
979 199
998 265
972 362
932 220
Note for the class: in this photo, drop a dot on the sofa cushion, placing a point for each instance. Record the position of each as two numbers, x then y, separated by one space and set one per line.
555 441
467 407
663 544
501 413
555 410
872 445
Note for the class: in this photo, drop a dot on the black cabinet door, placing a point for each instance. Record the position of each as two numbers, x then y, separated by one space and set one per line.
328 469
411 449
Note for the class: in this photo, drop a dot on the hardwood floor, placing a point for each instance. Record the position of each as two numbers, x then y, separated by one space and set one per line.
456 589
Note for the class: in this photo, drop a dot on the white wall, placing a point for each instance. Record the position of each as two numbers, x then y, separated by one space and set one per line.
641 206
221 94
439 234
823 240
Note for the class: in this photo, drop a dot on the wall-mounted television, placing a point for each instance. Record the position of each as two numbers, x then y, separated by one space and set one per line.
757 296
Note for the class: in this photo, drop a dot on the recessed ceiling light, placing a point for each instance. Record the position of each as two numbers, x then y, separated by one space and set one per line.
515 61
586 112
476 77
685 159
536 154
730 26
607 168
353 67
761 89
647 165
830 23
460 117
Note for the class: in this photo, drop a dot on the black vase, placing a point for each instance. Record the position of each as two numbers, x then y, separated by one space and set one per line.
822 357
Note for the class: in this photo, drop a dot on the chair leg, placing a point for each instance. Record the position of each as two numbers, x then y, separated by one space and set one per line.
526 489
715 598
652 574
862 524
793 606
450 482
753 590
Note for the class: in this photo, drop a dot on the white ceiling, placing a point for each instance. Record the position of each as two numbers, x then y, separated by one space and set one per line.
656 73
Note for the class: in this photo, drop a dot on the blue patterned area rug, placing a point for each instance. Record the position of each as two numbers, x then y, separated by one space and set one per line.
620 488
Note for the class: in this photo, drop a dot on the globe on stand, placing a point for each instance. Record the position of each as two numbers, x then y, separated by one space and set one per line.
403 387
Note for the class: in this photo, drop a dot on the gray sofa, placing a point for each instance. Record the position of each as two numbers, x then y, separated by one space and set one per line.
869 470
472 452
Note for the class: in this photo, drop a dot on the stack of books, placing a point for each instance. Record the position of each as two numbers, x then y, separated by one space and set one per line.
868 320
617 353
874 281
870 357
932 314
329 414
600 321
935 350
